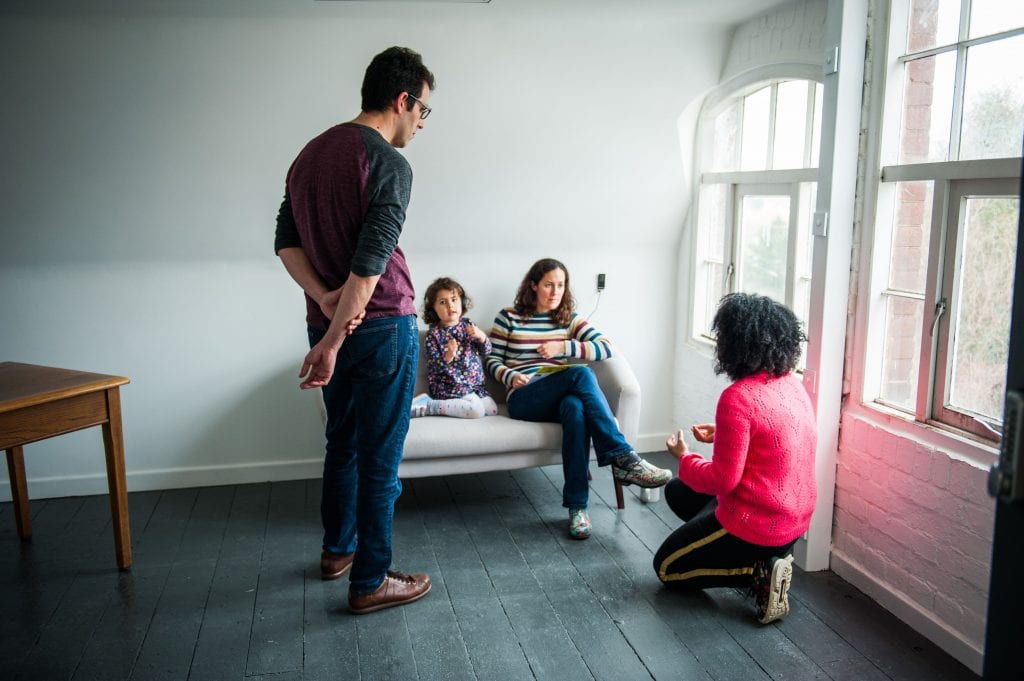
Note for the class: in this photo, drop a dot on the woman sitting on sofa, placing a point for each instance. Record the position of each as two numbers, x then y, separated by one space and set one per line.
531 343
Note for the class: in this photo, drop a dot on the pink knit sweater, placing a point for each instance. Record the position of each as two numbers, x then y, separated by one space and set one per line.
762 469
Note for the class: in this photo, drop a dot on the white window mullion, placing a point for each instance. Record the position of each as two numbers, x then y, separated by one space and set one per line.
936 311
773 102
792 263
809 125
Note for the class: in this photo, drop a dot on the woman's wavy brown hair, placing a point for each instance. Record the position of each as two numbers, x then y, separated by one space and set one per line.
442 284
526 298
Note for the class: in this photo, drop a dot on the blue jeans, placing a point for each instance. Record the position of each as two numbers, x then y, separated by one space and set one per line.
573 398
368 401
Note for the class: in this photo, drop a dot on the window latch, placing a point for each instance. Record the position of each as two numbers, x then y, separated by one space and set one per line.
940 309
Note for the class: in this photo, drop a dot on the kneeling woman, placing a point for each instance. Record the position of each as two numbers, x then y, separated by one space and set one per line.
531 342
746 506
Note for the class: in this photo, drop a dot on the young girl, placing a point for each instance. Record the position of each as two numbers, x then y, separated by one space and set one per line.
455 374
533 341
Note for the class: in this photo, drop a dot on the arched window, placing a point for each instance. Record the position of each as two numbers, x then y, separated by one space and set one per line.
758 161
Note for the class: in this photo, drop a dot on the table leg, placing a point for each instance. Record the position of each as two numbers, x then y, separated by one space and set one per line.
19 492
113 443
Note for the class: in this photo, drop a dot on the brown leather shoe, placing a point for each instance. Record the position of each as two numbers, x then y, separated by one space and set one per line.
397 589
334 565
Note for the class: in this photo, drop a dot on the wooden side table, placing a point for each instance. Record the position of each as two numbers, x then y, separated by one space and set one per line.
38 402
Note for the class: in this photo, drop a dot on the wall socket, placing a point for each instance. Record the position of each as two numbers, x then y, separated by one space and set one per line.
600 283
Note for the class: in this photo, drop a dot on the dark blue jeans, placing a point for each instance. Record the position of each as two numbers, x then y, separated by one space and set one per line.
573 398
368 401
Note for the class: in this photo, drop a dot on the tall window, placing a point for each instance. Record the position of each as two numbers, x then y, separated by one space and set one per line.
757 190
946 224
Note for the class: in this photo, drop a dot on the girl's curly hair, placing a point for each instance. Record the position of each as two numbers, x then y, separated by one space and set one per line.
755 334
526 298
443 284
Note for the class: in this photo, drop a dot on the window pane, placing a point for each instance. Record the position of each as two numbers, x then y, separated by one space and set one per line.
927 108
933 23
910 236
791 125
754 148
983 306
816 135
764 232
993 121
900 354
713 222
725 148
995 16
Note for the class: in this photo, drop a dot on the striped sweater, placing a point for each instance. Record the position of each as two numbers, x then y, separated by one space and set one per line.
515 339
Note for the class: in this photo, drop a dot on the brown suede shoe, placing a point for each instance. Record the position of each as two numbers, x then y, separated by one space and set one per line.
333 565
397 589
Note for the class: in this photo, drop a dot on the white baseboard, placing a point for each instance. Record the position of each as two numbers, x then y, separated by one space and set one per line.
913 615
172 478
207 476
651 443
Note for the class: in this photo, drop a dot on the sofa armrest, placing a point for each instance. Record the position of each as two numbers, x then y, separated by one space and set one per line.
620 387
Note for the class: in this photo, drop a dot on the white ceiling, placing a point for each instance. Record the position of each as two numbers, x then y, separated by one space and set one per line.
719 12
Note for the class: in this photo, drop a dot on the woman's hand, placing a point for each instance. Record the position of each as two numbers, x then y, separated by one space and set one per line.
519 380
676 445
704 432
551 349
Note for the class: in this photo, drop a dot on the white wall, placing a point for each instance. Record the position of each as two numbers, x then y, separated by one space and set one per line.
145 149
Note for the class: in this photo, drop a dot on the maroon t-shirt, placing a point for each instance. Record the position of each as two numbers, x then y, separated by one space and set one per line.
345 200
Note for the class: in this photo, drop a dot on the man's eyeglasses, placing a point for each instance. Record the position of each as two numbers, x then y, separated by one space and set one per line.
424 109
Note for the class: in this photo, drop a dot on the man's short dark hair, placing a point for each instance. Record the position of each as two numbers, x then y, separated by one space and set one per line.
754 334
392 72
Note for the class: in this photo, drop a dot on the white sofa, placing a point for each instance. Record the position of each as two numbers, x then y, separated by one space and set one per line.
438 445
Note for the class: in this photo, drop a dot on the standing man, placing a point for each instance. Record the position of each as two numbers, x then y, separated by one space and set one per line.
337 234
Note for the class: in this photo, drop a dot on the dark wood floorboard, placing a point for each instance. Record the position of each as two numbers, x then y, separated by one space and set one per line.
226 585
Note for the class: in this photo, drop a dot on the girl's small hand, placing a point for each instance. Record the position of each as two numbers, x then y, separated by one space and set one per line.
675 444
551 349
704 432
519 380
451 350
475 332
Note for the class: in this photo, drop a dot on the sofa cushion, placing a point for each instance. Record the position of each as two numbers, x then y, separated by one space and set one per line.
439 436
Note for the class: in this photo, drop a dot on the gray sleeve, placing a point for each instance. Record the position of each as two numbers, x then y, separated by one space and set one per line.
286 235
390 186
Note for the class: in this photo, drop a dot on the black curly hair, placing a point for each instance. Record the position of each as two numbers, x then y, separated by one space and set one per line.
754 334
442 284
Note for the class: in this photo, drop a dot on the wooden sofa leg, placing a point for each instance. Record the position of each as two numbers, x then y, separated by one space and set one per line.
618 495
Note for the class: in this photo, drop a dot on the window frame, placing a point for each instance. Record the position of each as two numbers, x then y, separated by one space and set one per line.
947 176
934 388
737 181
